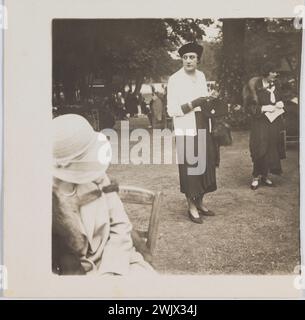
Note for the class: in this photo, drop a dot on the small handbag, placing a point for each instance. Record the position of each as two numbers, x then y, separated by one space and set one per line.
215 108
221 132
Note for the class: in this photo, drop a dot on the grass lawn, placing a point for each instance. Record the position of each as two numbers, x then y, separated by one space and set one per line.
253 232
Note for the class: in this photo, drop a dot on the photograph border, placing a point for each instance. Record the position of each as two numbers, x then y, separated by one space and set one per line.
27 156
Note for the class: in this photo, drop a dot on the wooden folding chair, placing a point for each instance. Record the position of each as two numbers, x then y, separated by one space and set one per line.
134 195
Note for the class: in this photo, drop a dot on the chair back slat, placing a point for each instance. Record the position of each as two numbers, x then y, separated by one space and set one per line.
154 223
135 195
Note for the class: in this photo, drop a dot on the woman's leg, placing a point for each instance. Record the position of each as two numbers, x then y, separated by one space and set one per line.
189 184
257 168
265 170
257 171
260 172
192 207
202 208
193 211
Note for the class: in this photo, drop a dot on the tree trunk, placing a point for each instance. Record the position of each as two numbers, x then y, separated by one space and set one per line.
232 69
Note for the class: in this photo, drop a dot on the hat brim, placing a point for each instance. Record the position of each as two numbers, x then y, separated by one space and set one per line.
90 166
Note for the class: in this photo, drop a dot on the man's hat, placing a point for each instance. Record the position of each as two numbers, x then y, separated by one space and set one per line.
191 47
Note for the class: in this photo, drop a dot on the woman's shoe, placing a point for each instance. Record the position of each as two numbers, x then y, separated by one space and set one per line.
201 209
267 182
206 212
194 219
255 183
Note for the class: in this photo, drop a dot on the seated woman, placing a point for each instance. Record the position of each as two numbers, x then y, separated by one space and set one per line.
91 232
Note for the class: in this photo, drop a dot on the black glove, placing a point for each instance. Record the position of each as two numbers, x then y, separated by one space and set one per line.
199 102
186 108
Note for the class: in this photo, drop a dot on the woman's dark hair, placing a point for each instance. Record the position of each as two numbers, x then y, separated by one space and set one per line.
268 67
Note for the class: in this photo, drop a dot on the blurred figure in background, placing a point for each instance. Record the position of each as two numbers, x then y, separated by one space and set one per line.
158 114
120 107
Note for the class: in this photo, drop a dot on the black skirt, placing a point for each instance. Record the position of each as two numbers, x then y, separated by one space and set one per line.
194 186
267 144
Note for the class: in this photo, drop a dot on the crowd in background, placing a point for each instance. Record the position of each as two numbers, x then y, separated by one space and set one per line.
119 106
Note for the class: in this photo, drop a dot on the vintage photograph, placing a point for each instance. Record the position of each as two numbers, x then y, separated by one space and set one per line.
175 146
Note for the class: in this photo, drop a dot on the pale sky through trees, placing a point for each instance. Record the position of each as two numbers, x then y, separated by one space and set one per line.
213 32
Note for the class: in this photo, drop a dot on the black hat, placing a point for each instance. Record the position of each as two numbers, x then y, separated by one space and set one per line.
191 47
267 67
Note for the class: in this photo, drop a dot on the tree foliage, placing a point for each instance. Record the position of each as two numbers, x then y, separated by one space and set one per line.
211 60
119 51
131 51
